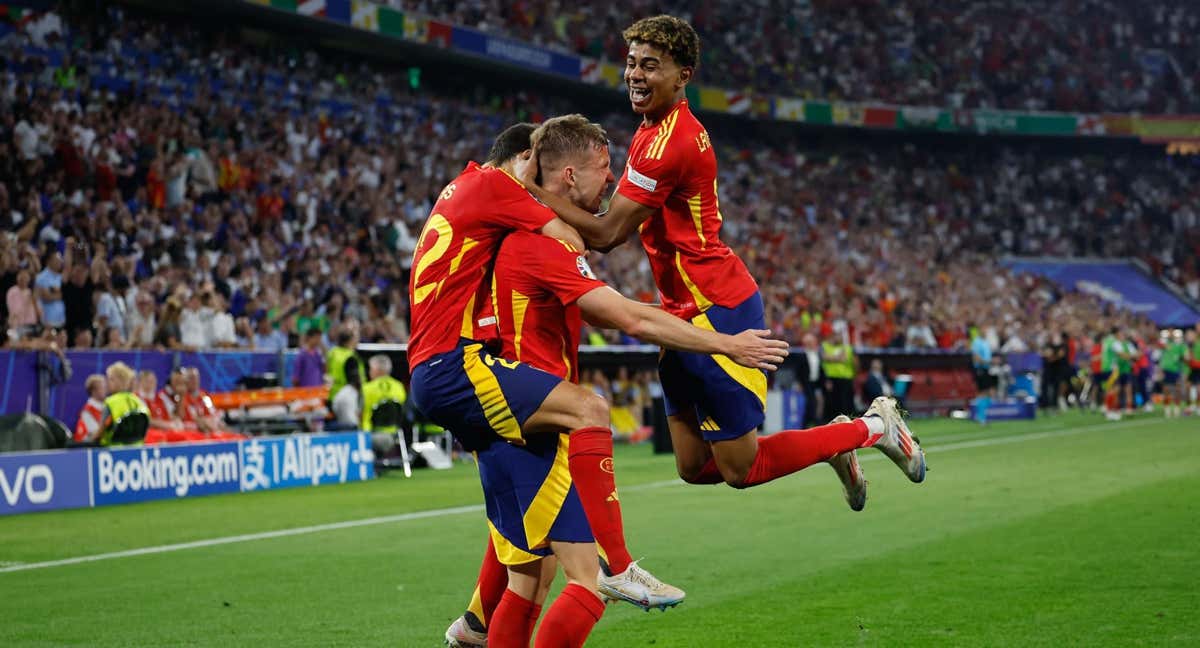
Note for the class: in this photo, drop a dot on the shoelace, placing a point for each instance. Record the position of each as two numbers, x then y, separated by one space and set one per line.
643 577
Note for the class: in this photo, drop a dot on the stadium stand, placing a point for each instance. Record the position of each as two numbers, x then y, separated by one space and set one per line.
189 191
1086 55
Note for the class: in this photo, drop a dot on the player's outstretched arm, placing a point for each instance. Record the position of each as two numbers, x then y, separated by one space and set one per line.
606 308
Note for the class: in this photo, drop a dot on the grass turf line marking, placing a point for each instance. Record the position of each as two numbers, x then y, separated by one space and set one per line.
477 508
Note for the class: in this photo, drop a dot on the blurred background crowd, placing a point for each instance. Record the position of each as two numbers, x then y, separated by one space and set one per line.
1078 55
165 186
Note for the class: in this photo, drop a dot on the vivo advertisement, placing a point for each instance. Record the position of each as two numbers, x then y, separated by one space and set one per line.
61 479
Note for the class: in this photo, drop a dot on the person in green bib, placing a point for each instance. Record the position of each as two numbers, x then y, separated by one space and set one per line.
382 387
1174 354
120 403
839 365
335 360
1110 348
1192 389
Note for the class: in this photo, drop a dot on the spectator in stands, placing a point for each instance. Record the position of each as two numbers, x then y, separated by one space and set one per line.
79 298
142 322
380 389
23 313
811 378
876 384
309 370
169 334
49 291
266 337
121 400
345 343
111 305
87 428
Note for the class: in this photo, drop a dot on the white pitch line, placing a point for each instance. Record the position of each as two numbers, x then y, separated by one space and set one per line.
477 508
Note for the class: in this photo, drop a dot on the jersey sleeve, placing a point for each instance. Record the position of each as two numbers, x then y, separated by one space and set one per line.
650 179
512 207
565 273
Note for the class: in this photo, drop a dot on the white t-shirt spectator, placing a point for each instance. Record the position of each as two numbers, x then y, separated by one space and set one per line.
192 328
26 136
221 330
345 406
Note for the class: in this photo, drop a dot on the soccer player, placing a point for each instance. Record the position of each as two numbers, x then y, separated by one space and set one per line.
668 192
458 385
542 289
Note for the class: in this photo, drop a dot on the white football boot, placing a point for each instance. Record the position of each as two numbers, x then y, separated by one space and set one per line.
639 587
854 485
897 442
461 635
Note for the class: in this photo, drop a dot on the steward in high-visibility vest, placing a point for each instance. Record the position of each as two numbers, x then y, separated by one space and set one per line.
381 388
837 361
335 361
121 401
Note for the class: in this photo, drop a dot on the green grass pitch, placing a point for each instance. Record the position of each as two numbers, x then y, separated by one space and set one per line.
1063 531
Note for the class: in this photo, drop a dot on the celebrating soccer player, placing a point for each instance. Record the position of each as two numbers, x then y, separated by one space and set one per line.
669 192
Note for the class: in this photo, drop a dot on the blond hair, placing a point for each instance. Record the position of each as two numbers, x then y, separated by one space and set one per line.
561 138
120 376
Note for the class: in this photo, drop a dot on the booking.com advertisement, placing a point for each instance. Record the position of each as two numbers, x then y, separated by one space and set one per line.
42 481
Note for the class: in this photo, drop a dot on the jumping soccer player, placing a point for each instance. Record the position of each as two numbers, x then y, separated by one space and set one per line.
668 192
542 290
579 153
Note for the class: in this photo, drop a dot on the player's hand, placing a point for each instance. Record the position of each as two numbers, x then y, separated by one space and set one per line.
527 171
755 348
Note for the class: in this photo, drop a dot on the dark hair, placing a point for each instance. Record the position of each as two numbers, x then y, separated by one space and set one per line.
669 34
510 143
344 337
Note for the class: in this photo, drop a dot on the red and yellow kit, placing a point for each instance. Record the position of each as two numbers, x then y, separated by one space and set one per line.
535 285
672 167
454 255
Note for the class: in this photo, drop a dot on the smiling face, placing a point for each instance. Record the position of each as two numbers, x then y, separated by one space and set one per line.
654 79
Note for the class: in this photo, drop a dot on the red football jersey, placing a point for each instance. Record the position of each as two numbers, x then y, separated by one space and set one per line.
672 168
454 255
534 289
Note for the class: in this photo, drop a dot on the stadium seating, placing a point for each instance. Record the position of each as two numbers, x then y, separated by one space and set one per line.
297 184
1140 56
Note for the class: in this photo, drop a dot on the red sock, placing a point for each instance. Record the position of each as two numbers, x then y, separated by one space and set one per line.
783 453
570 619
709 474
510 626
591 463
492 583
535 611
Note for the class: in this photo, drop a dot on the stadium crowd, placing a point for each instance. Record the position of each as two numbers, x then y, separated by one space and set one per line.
164 187
1074 55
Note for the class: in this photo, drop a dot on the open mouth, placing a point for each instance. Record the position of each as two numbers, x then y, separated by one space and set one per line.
639 96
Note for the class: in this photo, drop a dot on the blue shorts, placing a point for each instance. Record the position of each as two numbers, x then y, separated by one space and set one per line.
477 396
729 400
530 498
1170 377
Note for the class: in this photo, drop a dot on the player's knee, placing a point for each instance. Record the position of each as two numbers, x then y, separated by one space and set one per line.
736 475
593 411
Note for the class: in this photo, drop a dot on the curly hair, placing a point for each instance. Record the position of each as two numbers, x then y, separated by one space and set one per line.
670 34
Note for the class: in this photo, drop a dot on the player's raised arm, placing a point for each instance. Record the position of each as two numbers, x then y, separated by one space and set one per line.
607 308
